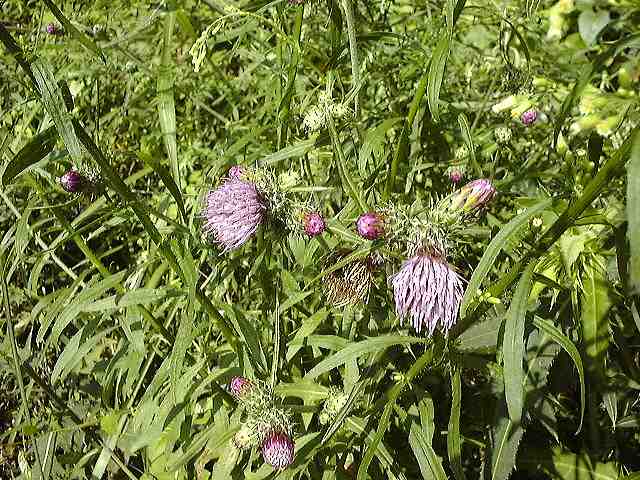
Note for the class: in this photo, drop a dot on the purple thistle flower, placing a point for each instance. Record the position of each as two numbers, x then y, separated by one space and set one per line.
314 224
474 196
52 29
73 181
239 386
233 212
429 291
455 176
236 172
278 450
529 117
370 225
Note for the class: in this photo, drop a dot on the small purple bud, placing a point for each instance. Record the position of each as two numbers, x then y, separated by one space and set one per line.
278 450
52 29
529 117
72 181
455 176
239 386
370 225
473 196
314 224
236 171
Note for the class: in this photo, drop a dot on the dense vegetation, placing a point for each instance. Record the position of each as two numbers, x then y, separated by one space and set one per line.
403 236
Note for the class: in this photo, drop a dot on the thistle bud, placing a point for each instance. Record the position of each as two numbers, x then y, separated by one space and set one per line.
239 386
236 172
529 117
53 29
245 437
278 450
314 224
73 181
456 173
473 196
370 225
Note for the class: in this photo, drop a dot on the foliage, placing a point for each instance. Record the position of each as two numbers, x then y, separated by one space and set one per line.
125 323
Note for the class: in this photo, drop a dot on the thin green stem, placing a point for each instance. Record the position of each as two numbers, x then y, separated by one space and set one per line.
353 51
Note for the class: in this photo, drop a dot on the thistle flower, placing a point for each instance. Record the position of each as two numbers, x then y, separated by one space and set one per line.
428 291
278 450
314 224
73 181
350 284
245 437
529 117
473 196
456 173
233 212
239 386
236 172
52 29
370 225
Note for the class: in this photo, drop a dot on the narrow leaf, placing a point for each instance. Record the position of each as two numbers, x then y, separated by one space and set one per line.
454 442
38 147
633 219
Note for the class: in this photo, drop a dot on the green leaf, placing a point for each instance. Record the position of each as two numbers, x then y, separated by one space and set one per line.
633 219
561 465
454 442
436 75
430 464
594 318
166 102
513 345
481 337
293 151
505 448
488 259
38 147
468 140
53 102
167 180
561 339
356 350
591 23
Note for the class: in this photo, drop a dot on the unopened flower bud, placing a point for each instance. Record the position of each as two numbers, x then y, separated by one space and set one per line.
73 181
529 117
53 29
239 386
278 450
314 224
473 196
245 437
370 225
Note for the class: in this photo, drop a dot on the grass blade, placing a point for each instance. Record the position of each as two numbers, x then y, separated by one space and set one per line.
633 207
38 147
454 442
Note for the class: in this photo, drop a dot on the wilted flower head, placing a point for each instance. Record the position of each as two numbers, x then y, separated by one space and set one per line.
473 196
529 117
428 291
278 450
314 224
503 135
350 284
73 181
370 225
233 212
239 386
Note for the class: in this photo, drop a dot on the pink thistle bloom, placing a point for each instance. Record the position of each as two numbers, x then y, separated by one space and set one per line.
529 117
455 176
428 291
233 212
236 172
73 181
474 196
370 225
278 450
314 224
239 386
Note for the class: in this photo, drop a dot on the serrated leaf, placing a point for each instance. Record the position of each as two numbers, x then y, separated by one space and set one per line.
513 345
505 448
561 465
481 337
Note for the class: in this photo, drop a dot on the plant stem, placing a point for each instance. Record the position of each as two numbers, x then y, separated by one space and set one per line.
353 51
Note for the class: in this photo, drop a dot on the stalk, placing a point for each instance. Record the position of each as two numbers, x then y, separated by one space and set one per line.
353 51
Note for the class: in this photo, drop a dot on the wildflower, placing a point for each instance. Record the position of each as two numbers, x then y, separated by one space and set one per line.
529 117
502 135
236 172
233 212
314 224
53 29
73 181
370 225
350 284
239 386
278 450
428 291
473 196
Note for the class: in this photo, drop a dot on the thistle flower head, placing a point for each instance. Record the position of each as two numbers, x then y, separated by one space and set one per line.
236 172
472 197
314 224
370 225
239 386
456 173
529 117
428 292
52 29
73 181
233 212
278 450
350 284
245 437
336 399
